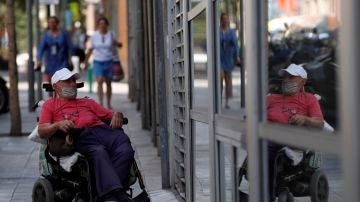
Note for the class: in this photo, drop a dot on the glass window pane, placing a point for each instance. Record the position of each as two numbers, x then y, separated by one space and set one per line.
303 33
193 3
233 182
201 161
232 81
200 86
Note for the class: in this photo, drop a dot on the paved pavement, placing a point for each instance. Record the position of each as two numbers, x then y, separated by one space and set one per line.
19 156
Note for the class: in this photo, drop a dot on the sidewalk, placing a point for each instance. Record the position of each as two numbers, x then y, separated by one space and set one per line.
19 156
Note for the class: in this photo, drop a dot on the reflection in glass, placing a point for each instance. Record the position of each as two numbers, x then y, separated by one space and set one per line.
201 161
200 86
231 161
304 33
193 3
232 82
303 174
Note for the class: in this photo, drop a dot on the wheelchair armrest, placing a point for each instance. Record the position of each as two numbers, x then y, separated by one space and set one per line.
108 121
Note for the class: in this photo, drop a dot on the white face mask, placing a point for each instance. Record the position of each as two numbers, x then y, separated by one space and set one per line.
290 88
68 92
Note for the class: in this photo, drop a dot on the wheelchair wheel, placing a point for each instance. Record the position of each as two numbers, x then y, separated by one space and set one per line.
42 191
285 196
319 187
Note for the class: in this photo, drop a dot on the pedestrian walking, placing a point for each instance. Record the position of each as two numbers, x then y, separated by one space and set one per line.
55 48
229 51
79 40
102 43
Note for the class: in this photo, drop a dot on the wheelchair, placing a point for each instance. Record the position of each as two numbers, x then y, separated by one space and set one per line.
289 181
57 184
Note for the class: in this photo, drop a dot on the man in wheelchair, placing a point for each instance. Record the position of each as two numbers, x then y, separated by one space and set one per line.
106 147
293 106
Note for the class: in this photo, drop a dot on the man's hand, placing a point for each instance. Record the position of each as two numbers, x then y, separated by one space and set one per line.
65 125
47 130
298 120
301 120
117 120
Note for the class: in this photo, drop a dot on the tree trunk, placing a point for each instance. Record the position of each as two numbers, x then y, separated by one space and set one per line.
13 73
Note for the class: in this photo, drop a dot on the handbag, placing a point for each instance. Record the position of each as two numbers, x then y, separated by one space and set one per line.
117 71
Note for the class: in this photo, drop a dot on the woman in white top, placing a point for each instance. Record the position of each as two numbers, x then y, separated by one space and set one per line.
102 43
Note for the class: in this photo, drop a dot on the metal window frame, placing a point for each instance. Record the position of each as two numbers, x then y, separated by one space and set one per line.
253 51
208 116
228 129
188 166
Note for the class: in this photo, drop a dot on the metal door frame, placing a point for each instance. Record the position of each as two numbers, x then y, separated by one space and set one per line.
195 115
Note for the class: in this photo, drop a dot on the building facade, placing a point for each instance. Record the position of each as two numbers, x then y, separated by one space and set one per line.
174 58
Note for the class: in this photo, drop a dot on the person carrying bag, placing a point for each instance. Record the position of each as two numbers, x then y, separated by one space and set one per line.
102 43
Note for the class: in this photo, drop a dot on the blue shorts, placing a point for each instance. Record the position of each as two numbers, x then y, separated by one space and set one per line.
103 68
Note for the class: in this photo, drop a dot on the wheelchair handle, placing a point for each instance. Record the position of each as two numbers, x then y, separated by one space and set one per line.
124 122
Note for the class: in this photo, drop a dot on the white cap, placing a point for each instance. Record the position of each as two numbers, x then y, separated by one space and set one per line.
295 70
63 74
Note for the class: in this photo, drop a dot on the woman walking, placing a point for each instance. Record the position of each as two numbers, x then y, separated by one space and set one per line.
229 51
102 43
56 48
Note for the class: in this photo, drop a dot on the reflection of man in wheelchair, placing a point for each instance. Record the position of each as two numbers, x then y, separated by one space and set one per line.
288 177
106 147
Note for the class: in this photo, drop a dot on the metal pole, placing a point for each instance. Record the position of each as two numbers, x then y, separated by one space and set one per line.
38 74
349 97
31 74
131 7
48 14
145 103
242 56
253 50
161 79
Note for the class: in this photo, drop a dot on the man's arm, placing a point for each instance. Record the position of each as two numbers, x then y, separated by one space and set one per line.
46 130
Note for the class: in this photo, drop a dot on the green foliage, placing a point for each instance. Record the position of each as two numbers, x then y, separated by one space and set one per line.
199 29
21 25
20 22
2 13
